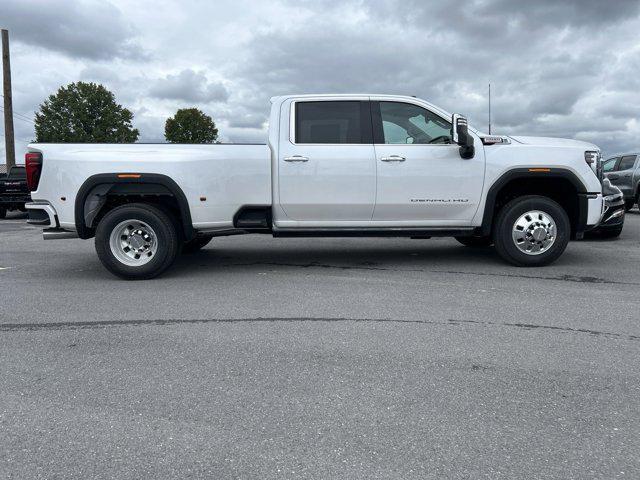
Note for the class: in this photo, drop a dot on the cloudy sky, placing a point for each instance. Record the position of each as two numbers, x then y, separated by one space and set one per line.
557 68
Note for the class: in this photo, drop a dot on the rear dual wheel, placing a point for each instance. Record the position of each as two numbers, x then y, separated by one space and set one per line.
137 241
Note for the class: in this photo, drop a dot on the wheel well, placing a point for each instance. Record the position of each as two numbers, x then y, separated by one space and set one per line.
558 189
166 202
102 193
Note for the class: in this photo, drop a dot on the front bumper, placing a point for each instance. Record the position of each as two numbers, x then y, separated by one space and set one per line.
591 210
613 215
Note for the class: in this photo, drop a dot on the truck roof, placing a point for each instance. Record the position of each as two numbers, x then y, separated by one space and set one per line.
408 98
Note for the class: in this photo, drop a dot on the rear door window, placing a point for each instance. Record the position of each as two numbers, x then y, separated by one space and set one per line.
627 162
335 122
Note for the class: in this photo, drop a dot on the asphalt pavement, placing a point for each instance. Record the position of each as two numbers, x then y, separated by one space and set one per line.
320 358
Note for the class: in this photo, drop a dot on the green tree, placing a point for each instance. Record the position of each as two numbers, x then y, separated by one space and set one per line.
84 113
190 125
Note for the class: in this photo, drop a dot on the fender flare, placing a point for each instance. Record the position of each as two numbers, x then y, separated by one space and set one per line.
535 172
100 184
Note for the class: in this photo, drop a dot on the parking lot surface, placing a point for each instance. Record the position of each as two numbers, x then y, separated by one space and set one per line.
320 358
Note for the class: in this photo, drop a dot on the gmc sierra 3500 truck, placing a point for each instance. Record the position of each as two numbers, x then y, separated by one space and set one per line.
334 165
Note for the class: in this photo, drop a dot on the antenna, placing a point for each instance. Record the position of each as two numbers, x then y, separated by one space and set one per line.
489 109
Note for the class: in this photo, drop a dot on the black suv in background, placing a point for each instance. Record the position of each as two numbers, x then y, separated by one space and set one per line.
624 172
13 190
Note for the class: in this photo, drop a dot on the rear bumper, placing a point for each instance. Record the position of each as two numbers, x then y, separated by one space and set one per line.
43 214
12 200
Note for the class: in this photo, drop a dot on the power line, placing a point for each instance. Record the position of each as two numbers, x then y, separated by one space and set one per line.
21 139
17 116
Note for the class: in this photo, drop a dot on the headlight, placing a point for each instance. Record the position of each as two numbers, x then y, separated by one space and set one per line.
591 157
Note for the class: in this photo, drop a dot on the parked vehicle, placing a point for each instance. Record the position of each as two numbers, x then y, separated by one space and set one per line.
624 173
14 193
612 221
335 165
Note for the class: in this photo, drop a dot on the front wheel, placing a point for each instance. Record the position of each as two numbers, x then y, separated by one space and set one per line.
3 212
531 231
136 241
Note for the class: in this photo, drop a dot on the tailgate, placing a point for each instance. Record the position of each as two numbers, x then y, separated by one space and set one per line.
11 186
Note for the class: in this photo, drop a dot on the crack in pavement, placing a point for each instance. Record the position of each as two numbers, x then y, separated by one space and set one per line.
101 324
559 278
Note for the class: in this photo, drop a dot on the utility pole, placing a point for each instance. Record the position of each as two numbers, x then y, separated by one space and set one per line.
9 140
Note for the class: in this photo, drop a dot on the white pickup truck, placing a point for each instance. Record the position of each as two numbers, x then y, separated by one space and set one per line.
335 165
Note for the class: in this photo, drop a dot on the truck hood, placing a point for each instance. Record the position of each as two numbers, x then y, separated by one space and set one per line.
555 142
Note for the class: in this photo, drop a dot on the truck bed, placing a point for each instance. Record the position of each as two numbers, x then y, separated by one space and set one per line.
216 179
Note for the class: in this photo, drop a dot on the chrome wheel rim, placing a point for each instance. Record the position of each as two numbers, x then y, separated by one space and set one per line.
133 243
534 232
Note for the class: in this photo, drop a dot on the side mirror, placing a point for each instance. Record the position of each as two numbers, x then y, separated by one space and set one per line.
460 135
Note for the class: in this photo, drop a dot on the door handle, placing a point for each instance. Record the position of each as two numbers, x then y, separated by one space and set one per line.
393 158
296 158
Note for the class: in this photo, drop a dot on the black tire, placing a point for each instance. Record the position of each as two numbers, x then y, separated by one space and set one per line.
3 212
166 238
628 204
195 244
475 241
511 212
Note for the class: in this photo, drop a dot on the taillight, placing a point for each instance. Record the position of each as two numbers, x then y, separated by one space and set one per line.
33 166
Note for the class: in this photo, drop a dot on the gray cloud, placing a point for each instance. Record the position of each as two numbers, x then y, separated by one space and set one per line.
93 30
189 86
558 68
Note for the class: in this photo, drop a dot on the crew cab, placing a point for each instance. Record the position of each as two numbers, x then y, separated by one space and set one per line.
14 194
334 165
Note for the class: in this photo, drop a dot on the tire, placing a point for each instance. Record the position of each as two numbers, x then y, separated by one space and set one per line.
196 244
149 228
3 212
475 241
513 216
628 204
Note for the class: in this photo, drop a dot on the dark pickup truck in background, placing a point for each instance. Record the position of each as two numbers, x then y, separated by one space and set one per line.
14 192
624 172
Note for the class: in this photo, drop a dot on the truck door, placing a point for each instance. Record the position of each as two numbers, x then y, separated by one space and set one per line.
326 163
622 174
421 177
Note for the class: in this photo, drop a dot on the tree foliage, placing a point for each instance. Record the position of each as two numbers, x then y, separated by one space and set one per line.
84 113
190 125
